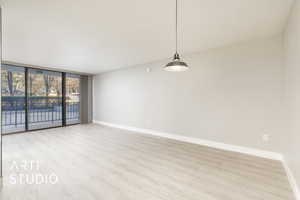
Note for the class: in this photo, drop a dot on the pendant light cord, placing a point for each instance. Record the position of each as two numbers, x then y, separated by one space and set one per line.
176 26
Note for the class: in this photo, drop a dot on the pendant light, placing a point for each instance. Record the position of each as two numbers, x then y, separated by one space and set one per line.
176 65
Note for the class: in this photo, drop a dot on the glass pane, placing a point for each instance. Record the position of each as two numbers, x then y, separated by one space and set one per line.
44 99
13 98
72 99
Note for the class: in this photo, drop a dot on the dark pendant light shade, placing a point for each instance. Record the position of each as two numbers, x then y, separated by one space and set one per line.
176 65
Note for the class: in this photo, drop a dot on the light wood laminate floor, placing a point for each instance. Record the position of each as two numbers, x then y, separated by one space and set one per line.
96 162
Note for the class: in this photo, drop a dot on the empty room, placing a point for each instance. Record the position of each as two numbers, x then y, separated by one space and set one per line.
150 100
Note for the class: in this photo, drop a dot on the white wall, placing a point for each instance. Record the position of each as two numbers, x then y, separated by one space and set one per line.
231 95
292 69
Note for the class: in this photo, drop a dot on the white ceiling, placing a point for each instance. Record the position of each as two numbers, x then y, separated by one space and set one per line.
96 35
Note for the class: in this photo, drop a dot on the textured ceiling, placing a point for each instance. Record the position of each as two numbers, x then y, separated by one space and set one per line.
96 35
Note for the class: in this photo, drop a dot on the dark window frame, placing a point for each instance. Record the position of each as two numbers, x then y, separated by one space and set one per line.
64 113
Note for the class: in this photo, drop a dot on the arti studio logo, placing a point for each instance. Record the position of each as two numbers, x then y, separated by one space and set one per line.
28 172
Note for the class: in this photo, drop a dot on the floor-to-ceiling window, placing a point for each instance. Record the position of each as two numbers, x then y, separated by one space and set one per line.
37 99
44 99
13 98
72 98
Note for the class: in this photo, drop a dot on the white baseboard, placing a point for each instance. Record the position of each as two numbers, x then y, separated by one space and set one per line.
218 145
292 179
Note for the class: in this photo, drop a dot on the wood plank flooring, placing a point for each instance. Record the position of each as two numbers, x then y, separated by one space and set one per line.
95 162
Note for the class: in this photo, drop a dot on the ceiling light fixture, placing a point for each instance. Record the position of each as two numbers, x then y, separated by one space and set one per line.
176 65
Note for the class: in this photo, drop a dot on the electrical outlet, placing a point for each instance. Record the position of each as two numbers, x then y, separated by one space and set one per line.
148 69
265 137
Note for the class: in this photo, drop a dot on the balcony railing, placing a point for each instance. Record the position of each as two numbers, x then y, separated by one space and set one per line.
41 111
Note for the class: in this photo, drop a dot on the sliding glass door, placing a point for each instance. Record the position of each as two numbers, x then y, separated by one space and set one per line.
44 99
72 99
13 98
37 99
